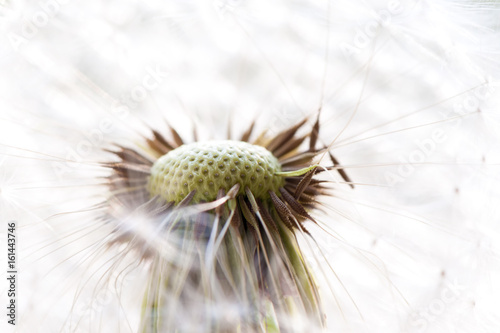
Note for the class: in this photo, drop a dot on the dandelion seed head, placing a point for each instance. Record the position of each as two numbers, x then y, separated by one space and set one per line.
87 62
216 222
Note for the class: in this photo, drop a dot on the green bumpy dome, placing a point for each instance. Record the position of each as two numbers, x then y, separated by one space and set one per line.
209 166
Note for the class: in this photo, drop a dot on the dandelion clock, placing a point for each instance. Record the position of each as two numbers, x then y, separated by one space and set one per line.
250 166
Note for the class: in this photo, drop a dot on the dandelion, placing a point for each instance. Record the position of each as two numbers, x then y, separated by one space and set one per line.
219 223
115 235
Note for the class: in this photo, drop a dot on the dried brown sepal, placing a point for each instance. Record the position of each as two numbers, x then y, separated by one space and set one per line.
304 183
289 146
295 205
177 138
313 136
268 220
249 218
130 155
187 200
219 210
284 136
236 220
247 213
124 167
342 173
159 144
284 213
246 136
298 161
233 191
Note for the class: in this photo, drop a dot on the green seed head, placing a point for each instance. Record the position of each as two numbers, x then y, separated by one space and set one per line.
209 166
